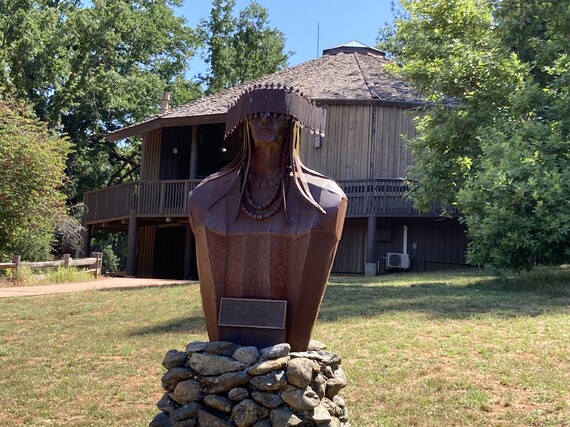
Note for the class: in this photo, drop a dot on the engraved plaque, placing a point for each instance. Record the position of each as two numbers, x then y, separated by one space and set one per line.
252 313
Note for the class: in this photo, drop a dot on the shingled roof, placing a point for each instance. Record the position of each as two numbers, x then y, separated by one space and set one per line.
351 75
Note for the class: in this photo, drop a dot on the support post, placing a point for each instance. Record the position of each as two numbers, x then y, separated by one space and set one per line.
66 259
189 253
132 245
88 231
194 153
371 249
16 259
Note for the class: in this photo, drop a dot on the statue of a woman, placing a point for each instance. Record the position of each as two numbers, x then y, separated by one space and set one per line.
266 226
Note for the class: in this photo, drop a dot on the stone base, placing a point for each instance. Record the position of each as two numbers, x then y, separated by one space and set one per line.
223 384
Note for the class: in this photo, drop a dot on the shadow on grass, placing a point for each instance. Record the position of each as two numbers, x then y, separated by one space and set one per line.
437 300
186 325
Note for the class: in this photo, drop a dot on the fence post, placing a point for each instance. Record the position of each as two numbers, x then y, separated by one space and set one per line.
98 262
66 258
16 259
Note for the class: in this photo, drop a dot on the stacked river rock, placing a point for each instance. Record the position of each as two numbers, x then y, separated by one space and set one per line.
223 384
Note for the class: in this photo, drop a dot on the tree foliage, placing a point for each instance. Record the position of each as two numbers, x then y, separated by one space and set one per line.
241 48
32 163
89 70
496 141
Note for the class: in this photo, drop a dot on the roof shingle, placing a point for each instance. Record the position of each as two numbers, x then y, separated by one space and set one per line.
351 76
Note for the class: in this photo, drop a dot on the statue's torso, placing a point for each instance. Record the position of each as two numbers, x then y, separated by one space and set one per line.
239 257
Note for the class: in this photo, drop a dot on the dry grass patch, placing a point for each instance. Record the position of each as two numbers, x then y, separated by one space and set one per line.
450 349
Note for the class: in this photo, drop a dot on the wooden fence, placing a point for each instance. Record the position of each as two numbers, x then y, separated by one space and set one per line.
95 262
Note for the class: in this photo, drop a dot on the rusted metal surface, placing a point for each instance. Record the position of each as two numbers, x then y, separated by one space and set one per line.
269 259
266 227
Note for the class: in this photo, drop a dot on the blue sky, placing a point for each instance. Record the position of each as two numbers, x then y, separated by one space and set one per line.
338 21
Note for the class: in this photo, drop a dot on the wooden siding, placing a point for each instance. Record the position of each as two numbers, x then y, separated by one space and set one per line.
440 243
345 149
145 245
150 155
351 249
391 155
361 142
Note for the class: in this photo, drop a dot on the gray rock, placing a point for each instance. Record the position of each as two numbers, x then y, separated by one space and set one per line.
185 412
174 359
186 423
300 372
166 404
323 356
212 364
330 406
321 415
160 420
269 400
276 351
328 371
222 348
218 403
195 347
315 345
187 391
263 423
246 413
342 410
319 385
225 382
334 422
210 420
273 381
247 355
300 399
284 417
267 366
335 384
238 393
174 376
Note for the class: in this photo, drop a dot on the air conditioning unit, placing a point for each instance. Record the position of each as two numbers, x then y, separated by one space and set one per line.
397 260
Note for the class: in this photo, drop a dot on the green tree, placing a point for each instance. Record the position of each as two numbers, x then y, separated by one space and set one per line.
32 163
240 49
89 70
495 142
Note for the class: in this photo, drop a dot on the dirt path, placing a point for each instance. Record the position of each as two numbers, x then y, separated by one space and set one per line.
100 284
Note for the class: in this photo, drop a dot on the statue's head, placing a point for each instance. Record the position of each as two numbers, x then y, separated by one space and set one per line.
275 101
275 115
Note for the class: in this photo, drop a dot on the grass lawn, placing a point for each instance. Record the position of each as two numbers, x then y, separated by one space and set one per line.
445 349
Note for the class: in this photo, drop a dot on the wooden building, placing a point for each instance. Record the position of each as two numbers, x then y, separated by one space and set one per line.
369 117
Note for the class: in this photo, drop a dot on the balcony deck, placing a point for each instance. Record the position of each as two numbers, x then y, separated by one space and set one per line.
169 198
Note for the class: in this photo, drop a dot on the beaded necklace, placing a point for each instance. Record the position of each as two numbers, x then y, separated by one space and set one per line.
261 211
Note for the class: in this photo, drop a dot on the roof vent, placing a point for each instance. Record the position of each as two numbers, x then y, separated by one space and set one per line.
351 47
165 102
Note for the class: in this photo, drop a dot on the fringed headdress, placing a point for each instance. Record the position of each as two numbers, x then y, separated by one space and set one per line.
279 100
276 100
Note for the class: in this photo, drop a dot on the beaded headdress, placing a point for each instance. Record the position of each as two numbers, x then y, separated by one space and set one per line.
278 100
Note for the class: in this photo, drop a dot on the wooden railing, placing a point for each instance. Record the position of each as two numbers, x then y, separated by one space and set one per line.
95 262
169 198
377 197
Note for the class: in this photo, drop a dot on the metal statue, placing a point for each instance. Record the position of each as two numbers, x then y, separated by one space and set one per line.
266 227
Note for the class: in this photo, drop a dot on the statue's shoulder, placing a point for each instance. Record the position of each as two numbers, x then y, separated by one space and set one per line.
211 190
326 191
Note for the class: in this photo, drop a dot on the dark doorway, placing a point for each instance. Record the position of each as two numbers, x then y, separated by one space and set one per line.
175 153
169 246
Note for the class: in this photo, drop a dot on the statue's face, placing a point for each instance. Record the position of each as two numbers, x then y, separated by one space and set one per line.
268 130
